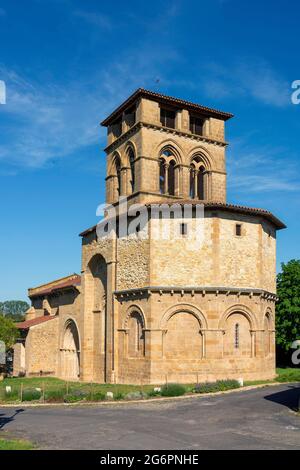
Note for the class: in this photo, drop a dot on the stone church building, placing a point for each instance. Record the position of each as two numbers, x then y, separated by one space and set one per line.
150 309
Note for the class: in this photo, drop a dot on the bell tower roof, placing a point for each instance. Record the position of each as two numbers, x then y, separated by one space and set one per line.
166 100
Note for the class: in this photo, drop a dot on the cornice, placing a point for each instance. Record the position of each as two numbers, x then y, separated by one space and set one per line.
139 125
203 290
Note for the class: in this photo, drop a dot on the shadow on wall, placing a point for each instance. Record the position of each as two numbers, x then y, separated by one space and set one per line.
289 398
4 420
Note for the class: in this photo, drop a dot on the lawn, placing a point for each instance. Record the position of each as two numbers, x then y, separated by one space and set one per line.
287 374
55 390
15 444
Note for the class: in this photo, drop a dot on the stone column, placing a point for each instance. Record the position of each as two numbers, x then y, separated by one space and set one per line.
185 181
110 323
166 182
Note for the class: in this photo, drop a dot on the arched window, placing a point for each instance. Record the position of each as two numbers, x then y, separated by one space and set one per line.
237 340
136 341
118 173
131 158
267 334
167 173
197 176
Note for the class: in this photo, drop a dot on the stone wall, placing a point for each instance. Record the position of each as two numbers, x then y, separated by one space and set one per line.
19 365
42 348
219 258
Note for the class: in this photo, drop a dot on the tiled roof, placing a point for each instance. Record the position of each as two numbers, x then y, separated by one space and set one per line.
227 207
141 92
69 281
211 205
25 325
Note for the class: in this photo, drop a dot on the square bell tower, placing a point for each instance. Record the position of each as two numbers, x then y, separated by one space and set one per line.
161 148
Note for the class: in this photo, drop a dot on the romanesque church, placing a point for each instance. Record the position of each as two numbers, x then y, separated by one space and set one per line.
148 309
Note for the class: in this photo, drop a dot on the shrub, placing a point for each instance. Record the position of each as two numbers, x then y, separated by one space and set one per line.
172 390
97 396
153 393
218 386
31 394
135 395
75 396
55 395
119 396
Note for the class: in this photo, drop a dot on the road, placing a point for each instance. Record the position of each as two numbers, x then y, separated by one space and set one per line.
255 419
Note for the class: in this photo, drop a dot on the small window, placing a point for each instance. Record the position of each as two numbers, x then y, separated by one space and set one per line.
238 230
117 128
183 229
196 125
167 118
237 336
130 116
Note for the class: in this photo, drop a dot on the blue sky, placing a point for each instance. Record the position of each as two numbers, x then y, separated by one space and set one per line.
67 64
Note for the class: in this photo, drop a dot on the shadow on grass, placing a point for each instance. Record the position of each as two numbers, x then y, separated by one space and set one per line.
289 398
4 420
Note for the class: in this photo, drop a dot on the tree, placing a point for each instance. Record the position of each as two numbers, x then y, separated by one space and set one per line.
288 306
14 309
8 332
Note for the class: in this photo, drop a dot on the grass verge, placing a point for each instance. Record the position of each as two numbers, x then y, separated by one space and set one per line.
15 444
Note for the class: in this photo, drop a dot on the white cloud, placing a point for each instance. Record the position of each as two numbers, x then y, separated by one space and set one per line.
45 121
264 169
252 78
97 19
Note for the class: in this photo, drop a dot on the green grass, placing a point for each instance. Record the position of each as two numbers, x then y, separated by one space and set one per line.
287 374
15 444
56 390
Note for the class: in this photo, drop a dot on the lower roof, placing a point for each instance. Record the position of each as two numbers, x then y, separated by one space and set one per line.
213 205
73 280
25 325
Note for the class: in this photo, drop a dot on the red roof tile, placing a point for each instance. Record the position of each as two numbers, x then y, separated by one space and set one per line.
25 325
70 281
